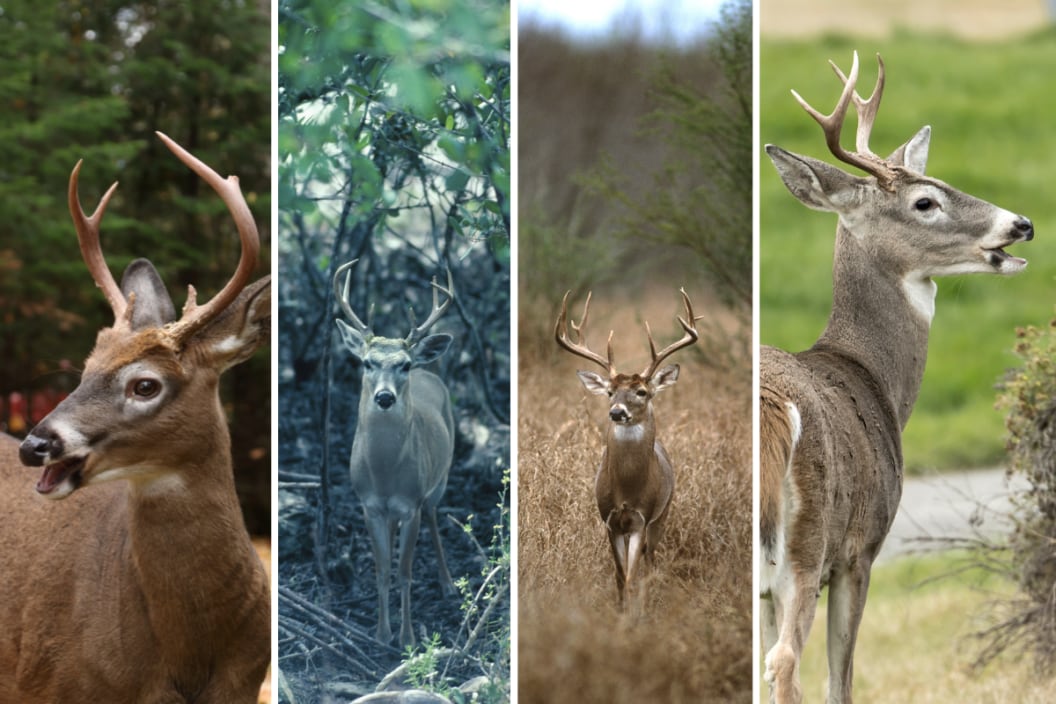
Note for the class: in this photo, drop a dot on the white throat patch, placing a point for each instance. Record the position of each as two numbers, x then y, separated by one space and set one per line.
628 433
920 292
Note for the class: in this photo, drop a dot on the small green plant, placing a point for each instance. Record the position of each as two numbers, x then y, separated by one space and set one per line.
422 665
483 639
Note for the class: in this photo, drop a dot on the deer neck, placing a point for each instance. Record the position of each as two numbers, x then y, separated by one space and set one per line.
629 449
880 318
191 559
384 433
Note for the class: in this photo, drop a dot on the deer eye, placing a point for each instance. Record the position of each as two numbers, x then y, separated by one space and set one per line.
406 367
923 204
641 393
144 389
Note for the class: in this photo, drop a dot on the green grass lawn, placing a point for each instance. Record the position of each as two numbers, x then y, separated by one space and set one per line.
915 641
990 107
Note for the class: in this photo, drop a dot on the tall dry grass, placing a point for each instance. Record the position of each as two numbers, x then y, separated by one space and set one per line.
694 642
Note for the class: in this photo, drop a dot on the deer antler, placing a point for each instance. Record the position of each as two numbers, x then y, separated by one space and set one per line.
577 347
832 124
196 317
691 335
88 236
417 333
341 294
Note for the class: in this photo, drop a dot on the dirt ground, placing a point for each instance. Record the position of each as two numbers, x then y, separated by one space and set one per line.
969 19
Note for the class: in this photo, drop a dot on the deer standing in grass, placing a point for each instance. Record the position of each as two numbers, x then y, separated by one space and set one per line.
142 584
403 446
635 481
831 417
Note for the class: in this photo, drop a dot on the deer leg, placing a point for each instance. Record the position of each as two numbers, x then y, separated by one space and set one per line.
635 548
408 537
770 616
847 592
447 587
619 556
380 530
797 604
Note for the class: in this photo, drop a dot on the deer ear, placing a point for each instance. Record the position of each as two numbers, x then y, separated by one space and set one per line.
242 327
816 184
593 382
913 155
153 306
352 338
430 348
664 378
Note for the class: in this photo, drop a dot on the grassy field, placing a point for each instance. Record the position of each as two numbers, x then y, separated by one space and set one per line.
694 642
915 642
987 104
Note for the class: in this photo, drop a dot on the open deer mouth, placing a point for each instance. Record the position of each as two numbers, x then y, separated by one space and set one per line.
55 474
998 258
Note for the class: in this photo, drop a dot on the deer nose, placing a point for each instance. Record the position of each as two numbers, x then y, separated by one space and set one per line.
1025 227
35 449
618 414
385 398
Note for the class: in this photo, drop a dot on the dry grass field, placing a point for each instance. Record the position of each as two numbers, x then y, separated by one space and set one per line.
694 642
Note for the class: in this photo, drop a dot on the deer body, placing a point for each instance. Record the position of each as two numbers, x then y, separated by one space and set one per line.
635 480
138 581
831 417
402 448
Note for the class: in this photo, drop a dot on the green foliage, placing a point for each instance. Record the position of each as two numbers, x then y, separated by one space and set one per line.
388 111
979 146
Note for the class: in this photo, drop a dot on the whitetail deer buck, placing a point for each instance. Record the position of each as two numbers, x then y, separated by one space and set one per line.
831 417
403 446
635 481
146 589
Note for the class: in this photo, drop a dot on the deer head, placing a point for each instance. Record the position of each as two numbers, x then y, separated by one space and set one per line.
146 406
932 229
387 362
630 395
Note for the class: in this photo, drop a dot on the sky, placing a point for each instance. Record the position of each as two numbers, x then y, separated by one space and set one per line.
660 19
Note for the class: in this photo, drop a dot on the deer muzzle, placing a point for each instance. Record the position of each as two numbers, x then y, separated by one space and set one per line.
60 477
385 399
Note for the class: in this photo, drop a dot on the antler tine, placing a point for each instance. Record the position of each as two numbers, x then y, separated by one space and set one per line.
832 124
418 332
578 348
195 316
88 237
690 335
341 294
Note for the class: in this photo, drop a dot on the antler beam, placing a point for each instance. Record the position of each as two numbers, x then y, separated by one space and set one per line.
832 124
88 236
341 294
417 333
196 317
564 323
690 336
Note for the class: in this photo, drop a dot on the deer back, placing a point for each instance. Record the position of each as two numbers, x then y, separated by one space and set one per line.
830 442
